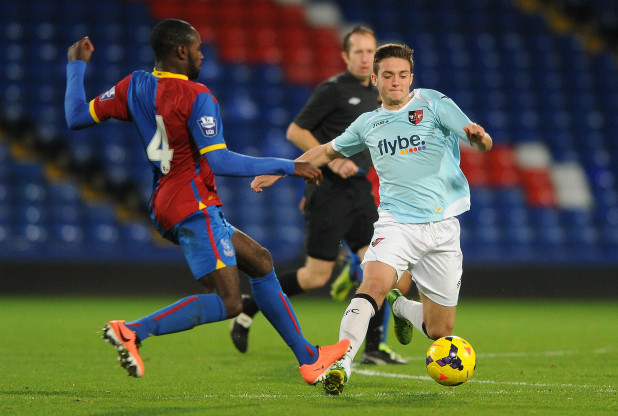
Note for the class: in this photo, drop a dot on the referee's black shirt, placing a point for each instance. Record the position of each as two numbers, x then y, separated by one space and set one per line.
334 105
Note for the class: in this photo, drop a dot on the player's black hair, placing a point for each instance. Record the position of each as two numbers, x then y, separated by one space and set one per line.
356 29
168 34
393 50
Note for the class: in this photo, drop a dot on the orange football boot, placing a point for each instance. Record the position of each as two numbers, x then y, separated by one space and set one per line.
127 344
327 356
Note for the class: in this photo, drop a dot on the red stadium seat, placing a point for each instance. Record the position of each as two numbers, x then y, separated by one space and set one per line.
262 13
264 54
292 15
502 166
472 165
539 188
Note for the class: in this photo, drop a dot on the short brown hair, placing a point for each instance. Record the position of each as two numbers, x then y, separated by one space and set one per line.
393 50
362 30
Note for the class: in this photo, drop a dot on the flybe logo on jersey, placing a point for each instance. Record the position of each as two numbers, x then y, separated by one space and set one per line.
208 125
402 145
108 95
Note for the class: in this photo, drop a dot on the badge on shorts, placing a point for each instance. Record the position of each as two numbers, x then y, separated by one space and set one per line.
228 249
376 241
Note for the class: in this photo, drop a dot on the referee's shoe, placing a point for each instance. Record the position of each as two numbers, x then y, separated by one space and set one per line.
382 356
239 329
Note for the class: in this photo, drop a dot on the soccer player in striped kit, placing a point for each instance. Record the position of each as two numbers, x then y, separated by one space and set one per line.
179 123
413 139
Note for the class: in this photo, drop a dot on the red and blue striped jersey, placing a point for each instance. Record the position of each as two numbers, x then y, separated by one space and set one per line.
178 121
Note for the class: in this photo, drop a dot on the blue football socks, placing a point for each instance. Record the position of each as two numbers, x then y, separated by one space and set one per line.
180 316
356 273
276 307
385 320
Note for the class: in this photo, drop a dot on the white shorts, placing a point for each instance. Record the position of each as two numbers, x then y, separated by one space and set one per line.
430 252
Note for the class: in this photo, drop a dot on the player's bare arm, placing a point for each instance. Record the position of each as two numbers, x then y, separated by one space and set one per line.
317 156
301 168
320 155
308 171
305 140
80 50
478 137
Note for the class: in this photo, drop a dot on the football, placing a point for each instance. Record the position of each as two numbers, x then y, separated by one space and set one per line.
451 360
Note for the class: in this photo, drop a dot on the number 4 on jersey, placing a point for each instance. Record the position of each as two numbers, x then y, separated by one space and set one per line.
158 149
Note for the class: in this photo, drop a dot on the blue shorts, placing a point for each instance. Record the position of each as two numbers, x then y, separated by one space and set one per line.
206 239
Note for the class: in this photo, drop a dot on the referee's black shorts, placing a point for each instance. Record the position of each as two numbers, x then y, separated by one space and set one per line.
338 210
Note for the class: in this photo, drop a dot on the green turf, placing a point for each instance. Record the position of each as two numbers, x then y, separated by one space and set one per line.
534 357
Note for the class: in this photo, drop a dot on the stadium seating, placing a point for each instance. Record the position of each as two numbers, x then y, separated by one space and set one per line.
546 194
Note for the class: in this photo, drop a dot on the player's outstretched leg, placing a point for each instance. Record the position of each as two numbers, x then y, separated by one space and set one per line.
353 327
274 304
127 344
402 327
179 316
241 324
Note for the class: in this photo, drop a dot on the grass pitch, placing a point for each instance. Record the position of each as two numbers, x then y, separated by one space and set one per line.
534 357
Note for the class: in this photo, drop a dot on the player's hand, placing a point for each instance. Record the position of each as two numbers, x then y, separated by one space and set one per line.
343 167
474 132
478 137
264 181
307 171
80 50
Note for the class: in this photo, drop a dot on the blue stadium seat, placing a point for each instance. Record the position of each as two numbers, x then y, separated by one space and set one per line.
66 213
68 235
550 235
137 234
518 236
32 234
31 213
7 212
6 234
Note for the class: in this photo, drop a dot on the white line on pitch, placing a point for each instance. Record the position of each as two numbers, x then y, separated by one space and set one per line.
512 383
540 353
527 354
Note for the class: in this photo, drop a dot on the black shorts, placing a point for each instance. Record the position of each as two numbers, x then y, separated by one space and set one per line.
338 210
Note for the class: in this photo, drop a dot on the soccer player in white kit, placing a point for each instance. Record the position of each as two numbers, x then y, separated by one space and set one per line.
413 139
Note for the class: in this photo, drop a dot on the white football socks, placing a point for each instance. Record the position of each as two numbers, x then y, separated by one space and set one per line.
411 310
354 327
